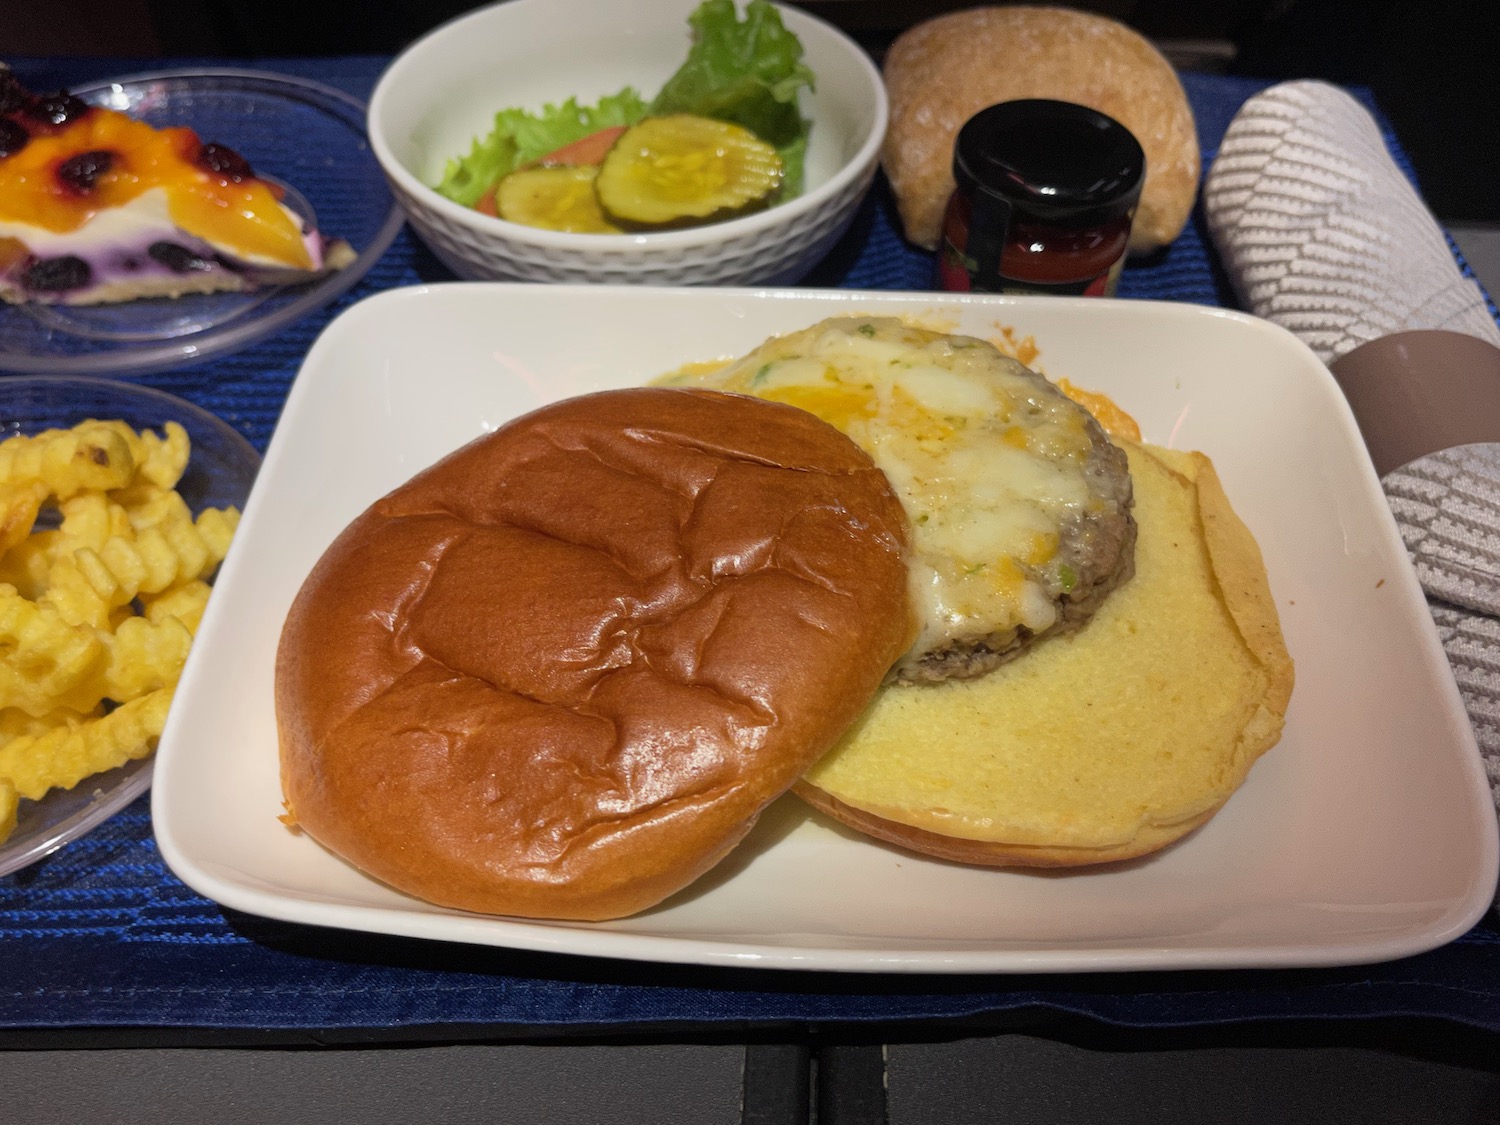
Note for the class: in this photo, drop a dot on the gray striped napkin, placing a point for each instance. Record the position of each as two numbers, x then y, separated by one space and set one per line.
1322 233
1447 505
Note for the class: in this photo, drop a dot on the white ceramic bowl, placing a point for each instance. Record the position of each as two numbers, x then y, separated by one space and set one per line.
445 89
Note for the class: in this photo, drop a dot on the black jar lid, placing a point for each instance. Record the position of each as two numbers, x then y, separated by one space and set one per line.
1051 161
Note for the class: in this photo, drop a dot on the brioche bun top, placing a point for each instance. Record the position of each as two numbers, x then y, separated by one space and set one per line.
560 673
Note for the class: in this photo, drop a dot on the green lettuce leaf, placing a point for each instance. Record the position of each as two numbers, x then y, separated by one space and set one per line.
520 137
746 71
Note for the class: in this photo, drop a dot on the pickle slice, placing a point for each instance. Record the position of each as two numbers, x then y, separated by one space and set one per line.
682 170
560 198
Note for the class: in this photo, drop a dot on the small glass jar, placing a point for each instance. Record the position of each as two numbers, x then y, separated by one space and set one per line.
1044 198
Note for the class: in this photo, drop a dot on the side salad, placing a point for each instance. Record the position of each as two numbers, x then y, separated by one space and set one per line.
723 136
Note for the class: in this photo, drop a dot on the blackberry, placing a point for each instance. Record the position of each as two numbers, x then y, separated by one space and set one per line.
53 275
177 258
56 109
13 138
81 172
224 161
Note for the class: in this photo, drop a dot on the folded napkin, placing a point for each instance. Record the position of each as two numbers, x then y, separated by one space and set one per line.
1447 505
1321 232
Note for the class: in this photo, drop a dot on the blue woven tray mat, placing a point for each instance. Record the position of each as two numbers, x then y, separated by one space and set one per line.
101 933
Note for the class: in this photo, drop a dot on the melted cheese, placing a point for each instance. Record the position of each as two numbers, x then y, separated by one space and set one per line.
988 468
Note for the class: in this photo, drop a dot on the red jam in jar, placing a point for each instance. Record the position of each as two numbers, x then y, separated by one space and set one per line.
1046 192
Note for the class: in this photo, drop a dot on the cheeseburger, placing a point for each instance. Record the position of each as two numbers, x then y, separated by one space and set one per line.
561 672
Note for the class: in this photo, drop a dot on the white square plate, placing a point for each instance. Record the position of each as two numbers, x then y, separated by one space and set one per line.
1367 834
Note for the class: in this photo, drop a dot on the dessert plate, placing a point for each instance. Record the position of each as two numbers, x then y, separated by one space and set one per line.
307 138
1367 834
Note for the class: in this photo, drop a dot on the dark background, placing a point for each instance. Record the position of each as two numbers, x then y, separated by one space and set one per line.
1434 67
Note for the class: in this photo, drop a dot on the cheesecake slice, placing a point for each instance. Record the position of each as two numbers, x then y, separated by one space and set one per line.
96 207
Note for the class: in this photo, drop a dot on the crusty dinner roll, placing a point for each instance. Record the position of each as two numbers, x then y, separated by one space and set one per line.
561 672
941 72
1102 745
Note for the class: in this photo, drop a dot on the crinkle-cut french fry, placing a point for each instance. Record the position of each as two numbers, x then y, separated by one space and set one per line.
141 656
128 434
73 590
89 456
148 506
185 602
26 567
62 758
166 456
193 555
19 505
161 458
14 722
91 519
216 526
90 585
9 805
44 655
168 513
154 561
132 566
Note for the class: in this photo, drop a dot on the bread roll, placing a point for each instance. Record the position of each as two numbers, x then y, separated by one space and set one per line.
941 72
1102 745
560 673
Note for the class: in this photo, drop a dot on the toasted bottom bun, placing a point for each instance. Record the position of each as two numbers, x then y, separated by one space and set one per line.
1150 838
1099 746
